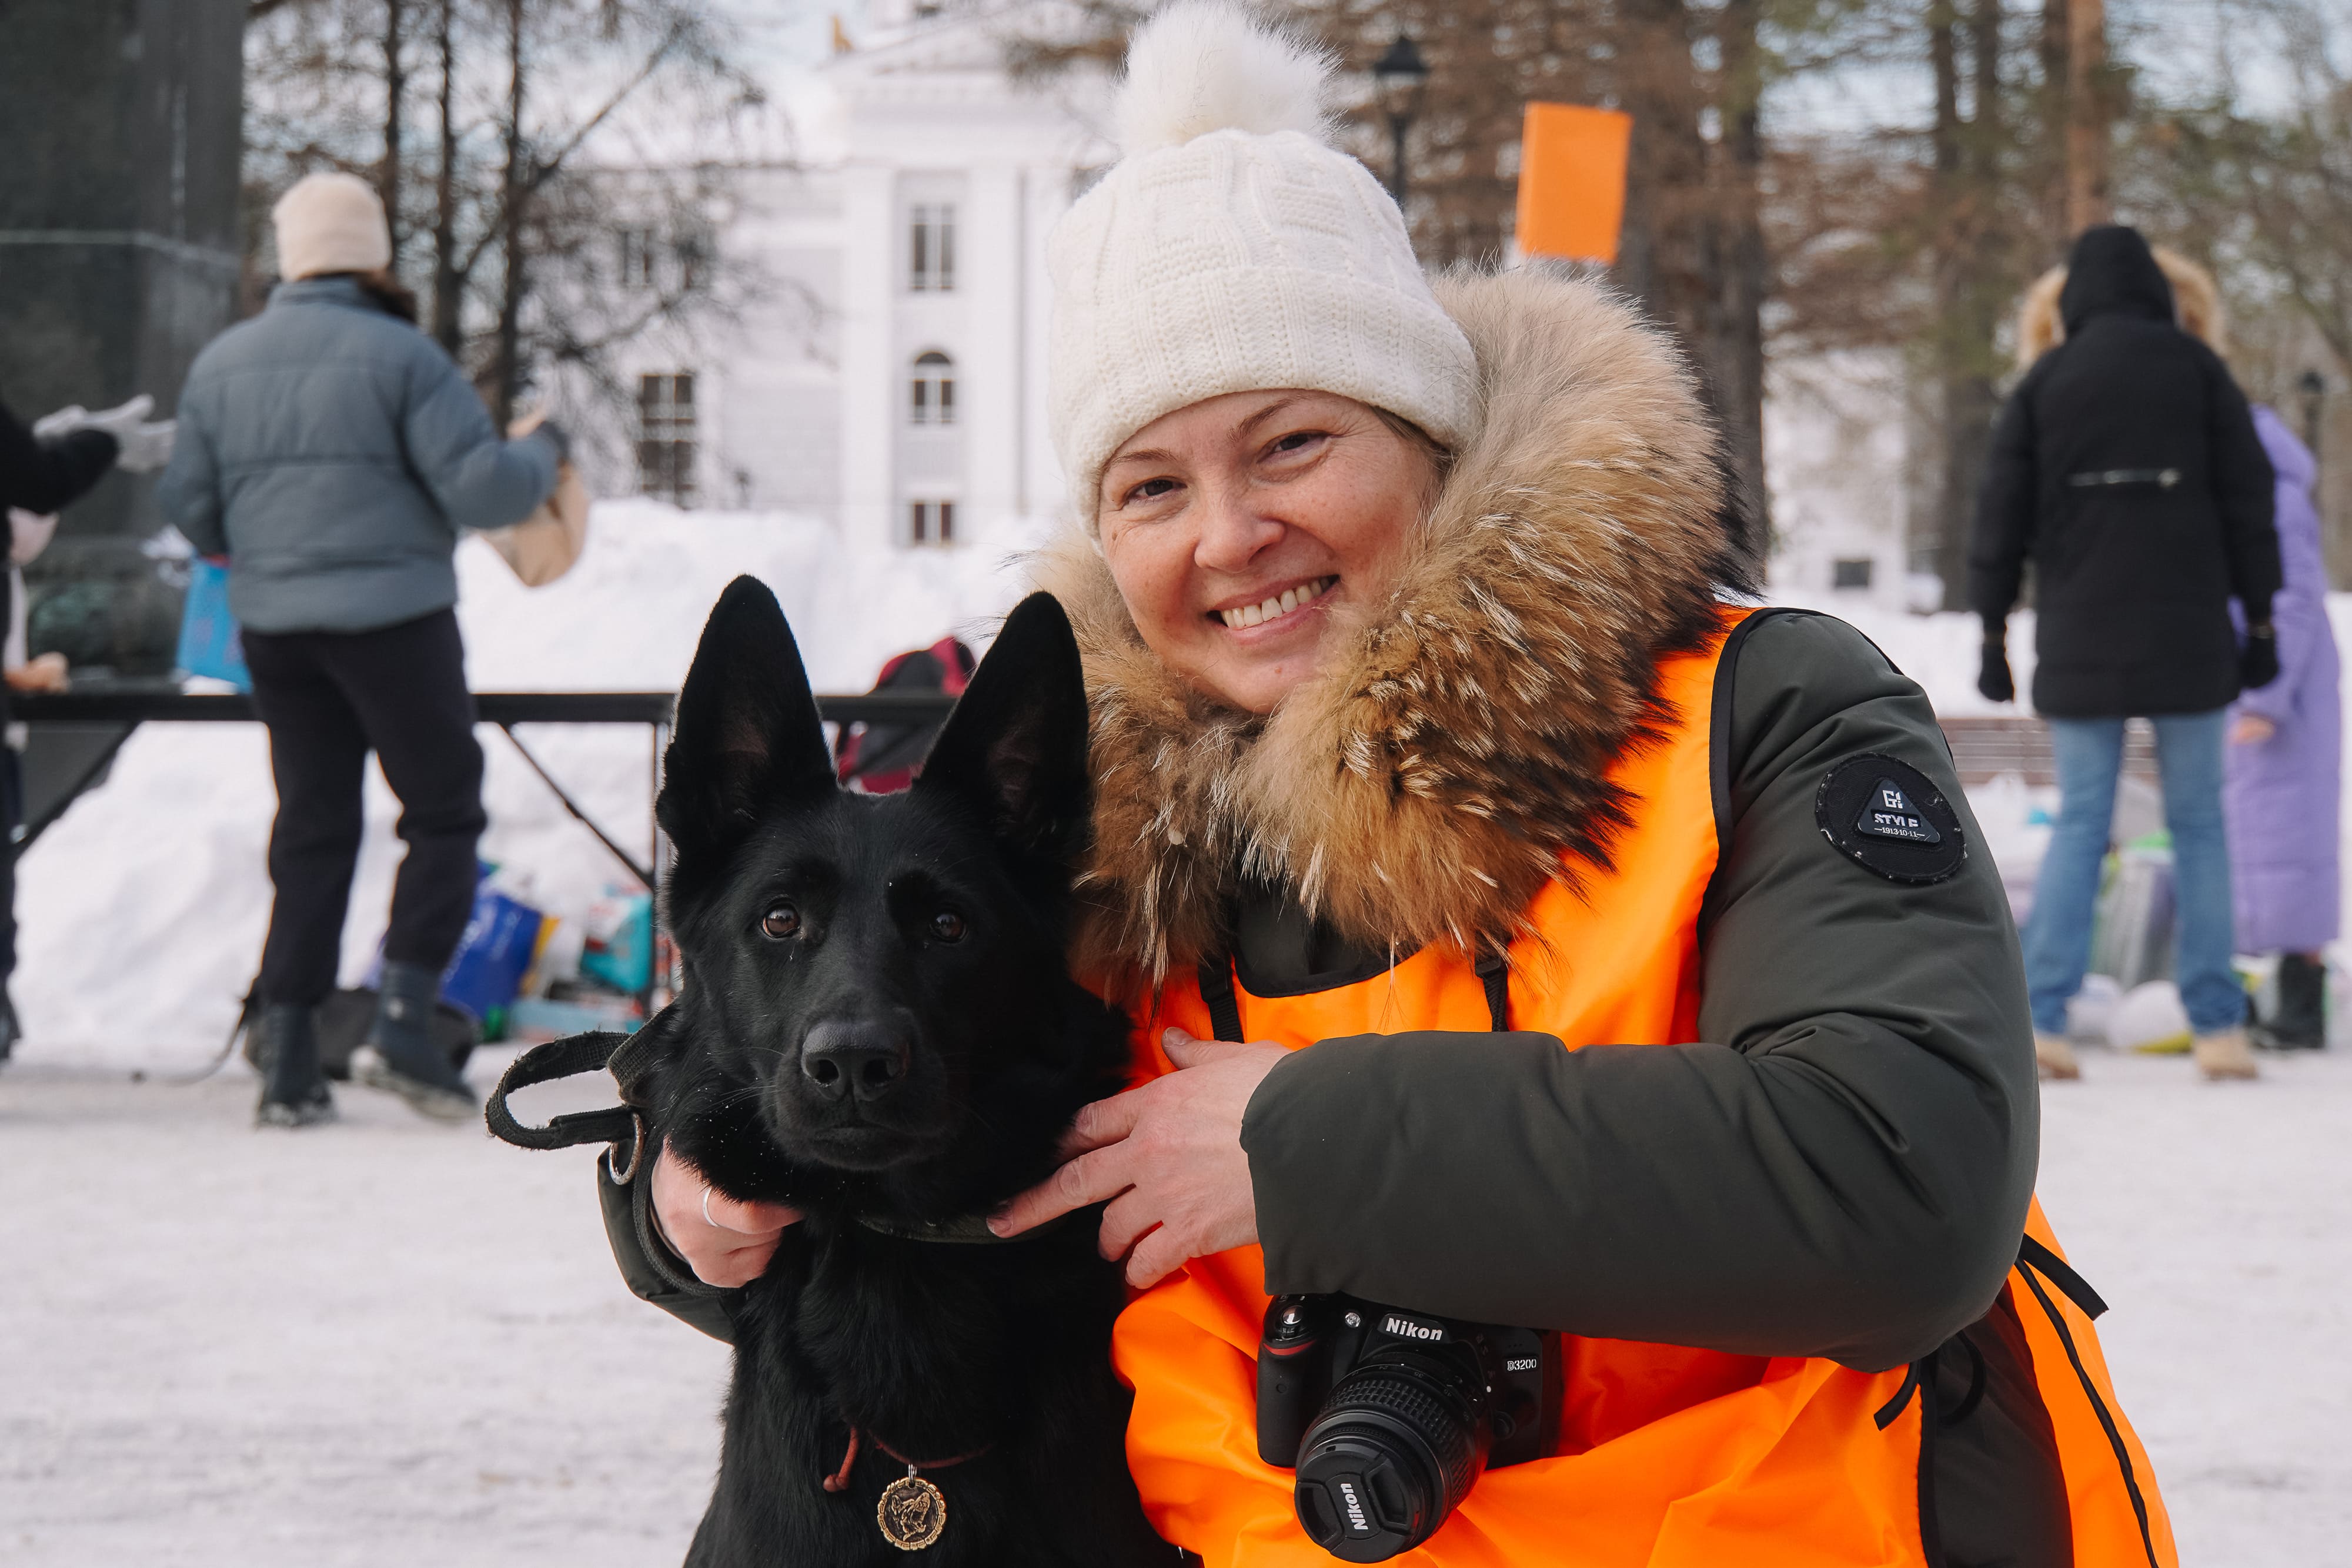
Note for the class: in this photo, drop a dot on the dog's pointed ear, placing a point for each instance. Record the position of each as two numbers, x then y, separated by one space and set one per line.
1017 743
747 731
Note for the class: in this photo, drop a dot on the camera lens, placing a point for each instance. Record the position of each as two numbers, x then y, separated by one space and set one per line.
1396 1448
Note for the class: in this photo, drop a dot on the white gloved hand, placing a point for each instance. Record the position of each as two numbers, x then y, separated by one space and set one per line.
147 448
60 422
121 419
144 445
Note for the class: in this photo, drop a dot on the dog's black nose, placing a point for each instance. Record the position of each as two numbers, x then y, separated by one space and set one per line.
846 1056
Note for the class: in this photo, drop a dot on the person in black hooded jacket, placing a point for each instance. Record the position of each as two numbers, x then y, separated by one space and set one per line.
36 475
2127 467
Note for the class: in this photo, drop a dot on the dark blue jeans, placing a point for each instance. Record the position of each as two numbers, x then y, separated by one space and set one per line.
2089 753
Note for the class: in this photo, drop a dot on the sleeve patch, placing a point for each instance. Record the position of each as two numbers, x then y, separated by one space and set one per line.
1885 816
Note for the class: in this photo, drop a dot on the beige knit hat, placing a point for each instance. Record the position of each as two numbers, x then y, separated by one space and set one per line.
1232 249
331 223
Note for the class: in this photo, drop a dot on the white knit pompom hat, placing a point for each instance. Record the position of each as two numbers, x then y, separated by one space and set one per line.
1233 250
331 223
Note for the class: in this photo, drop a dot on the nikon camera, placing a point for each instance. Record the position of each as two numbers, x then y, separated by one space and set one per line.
1390 1416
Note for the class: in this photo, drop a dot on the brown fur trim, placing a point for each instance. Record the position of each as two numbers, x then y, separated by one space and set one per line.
2196 299
2195 305
2039 328
1456 759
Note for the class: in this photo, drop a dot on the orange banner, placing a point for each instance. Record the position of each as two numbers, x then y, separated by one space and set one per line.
1572 181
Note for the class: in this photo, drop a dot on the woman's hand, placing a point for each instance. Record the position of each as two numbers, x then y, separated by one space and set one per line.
43 672
2250 729
732 1245
1168 1156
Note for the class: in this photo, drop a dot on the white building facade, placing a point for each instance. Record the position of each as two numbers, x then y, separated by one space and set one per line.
887 373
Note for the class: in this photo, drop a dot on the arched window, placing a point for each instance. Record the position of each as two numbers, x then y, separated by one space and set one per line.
932 399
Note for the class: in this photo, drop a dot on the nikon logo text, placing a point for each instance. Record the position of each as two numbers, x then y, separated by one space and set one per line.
1355 1509
1405 1328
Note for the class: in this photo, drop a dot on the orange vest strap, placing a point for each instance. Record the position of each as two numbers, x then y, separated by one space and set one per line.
2033 1257
1217 990
1494 972
2091 1389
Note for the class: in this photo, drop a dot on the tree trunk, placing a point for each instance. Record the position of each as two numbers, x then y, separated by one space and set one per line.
447 328
2088 113
1939 545
1691 249
1658 259
512 282
395 108
1736 333
2053 117
1971 282
1974 398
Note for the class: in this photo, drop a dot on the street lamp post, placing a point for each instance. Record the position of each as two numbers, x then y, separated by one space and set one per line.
1400 75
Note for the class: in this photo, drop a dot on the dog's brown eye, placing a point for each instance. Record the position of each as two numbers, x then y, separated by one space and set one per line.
948 926
780 923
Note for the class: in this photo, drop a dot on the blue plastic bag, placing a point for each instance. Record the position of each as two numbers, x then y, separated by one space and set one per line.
492 956
210 642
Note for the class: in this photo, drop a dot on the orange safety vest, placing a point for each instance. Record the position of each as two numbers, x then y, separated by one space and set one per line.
1669 1457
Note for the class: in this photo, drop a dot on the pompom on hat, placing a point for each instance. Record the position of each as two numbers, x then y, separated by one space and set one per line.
1233 250
331 223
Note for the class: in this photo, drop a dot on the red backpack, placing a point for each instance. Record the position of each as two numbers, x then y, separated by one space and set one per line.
881 758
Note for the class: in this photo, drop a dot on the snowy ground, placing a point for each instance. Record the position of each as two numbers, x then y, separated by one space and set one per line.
388 1342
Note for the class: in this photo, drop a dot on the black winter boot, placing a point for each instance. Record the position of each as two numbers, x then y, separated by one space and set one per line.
2301 1021
293 1091
399 1054
9 1031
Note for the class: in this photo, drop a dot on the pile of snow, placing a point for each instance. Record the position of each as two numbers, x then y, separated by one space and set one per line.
144 908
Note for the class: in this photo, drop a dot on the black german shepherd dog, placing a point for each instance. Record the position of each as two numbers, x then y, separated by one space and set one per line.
877 1026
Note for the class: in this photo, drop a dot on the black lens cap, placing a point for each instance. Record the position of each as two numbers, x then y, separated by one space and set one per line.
1358 1502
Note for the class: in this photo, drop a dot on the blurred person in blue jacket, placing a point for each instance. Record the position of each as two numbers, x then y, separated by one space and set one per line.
334 455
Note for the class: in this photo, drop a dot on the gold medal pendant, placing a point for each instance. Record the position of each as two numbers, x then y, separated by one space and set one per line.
912 1513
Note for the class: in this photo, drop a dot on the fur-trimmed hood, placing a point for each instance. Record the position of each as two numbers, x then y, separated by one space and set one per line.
2195 305
1456 759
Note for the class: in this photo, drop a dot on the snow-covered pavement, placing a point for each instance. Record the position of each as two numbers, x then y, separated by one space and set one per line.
391 1342
382 1343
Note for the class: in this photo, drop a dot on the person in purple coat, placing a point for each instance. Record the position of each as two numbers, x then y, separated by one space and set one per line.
2283 782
